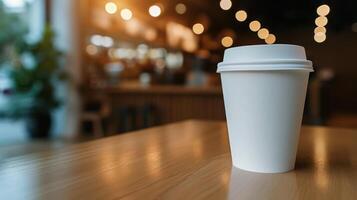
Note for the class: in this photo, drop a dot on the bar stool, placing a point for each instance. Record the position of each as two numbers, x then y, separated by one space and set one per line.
125 117
95 111
149 115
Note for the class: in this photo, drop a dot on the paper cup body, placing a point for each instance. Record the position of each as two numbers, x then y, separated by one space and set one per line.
264 91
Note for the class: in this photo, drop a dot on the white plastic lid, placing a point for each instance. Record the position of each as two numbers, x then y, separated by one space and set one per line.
265 57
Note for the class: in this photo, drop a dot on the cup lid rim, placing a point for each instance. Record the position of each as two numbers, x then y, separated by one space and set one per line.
266 65
263 45
269 61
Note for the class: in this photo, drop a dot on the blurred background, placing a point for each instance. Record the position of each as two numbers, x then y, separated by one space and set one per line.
72 71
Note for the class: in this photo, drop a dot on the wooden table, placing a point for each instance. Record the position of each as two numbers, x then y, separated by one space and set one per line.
187 160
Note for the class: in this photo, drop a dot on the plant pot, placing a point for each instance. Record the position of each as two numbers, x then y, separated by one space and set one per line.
38 124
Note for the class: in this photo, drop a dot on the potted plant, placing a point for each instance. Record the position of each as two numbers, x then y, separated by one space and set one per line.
33 71
34 83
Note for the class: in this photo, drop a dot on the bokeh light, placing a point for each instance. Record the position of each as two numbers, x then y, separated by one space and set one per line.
181 8
91 49
225 4
320 29
263 33
111 8
320 37
198 28
107 41
254 25
155 10
321 21
323 10
270 39
96 40
241 15
227 41
126 14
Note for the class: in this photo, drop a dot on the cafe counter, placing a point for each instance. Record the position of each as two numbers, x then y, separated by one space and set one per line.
166 103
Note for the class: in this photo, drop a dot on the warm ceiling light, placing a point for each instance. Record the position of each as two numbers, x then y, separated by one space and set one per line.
323 10
320 29
227 41
155 10
126 14
180 8
320 37
111 7
270 39
254 25
263 33
198 28
225 4
321 21
241 15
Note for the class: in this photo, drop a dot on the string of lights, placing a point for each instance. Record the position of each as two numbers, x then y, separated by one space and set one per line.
320 22
241 16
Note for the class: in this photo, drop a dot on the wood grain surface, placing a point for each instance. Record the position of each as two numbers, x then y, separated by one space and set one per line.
186 160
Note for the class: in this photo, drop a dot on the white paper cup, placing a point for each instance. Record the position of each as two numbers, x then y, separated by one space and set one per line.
264 89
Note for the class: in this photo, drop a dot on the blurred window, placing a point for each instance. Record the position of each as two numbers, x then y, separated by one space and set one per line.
32 14
19 19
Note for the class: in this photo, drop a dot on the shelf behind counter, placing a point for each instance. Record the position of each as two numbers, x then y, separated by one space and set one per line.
167 103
